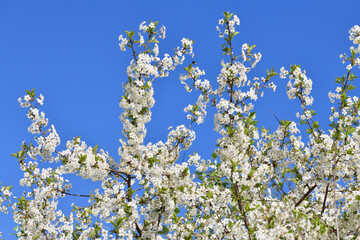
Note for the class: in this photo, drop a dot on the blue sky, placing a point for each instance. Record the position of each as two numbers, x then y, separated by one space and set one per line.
68 51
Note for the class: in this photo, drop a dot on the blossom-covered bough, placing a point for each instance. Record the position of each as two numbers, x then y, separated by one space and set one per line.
258 185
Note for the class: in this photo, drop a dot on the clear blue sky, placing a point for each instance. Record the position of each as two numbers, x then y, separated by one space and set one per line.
68 51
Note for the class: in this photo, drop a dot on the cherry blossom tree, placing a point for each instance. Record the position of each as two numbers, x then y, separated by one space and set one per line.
259 184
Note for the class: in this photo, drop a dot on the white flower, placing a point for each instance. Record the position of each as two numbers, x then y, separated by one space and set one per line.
283 73
141 40
27 98
156 50
40 100
123 43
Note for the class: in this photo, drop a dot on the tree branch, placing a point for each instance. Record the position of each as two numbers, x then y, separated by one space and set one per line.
324 203
138 230
305 196
241 207
72 194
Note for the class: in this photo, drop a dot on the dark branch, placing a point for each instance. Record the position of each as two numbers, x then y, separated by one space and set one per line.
324 203
275 117
305 196
138 229
72 194
241 207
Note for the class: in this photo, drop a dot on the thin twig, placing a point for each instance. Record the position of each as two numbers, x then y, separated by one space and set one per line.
275 117
72 194
117 173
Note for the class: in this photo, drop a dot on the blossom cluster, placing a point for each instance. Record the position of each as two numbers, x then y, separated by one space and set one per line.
258 184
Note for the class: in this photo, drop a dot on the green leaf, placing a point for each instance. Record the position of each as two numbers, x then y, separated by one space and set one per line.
21 153
226 50
247 207
185 172
132 33
252 47
94 150
338 80
351 87
351 130
252 115
165 229
226 15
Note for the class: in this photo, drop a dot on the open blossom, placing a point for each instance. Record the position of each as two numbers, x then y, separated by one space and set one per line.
188 44
355 34
283 73
230 28
233 22
40 100
257 59
299 82
141 40
162 32
26 103
38 120
156 50
143 27
123 42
